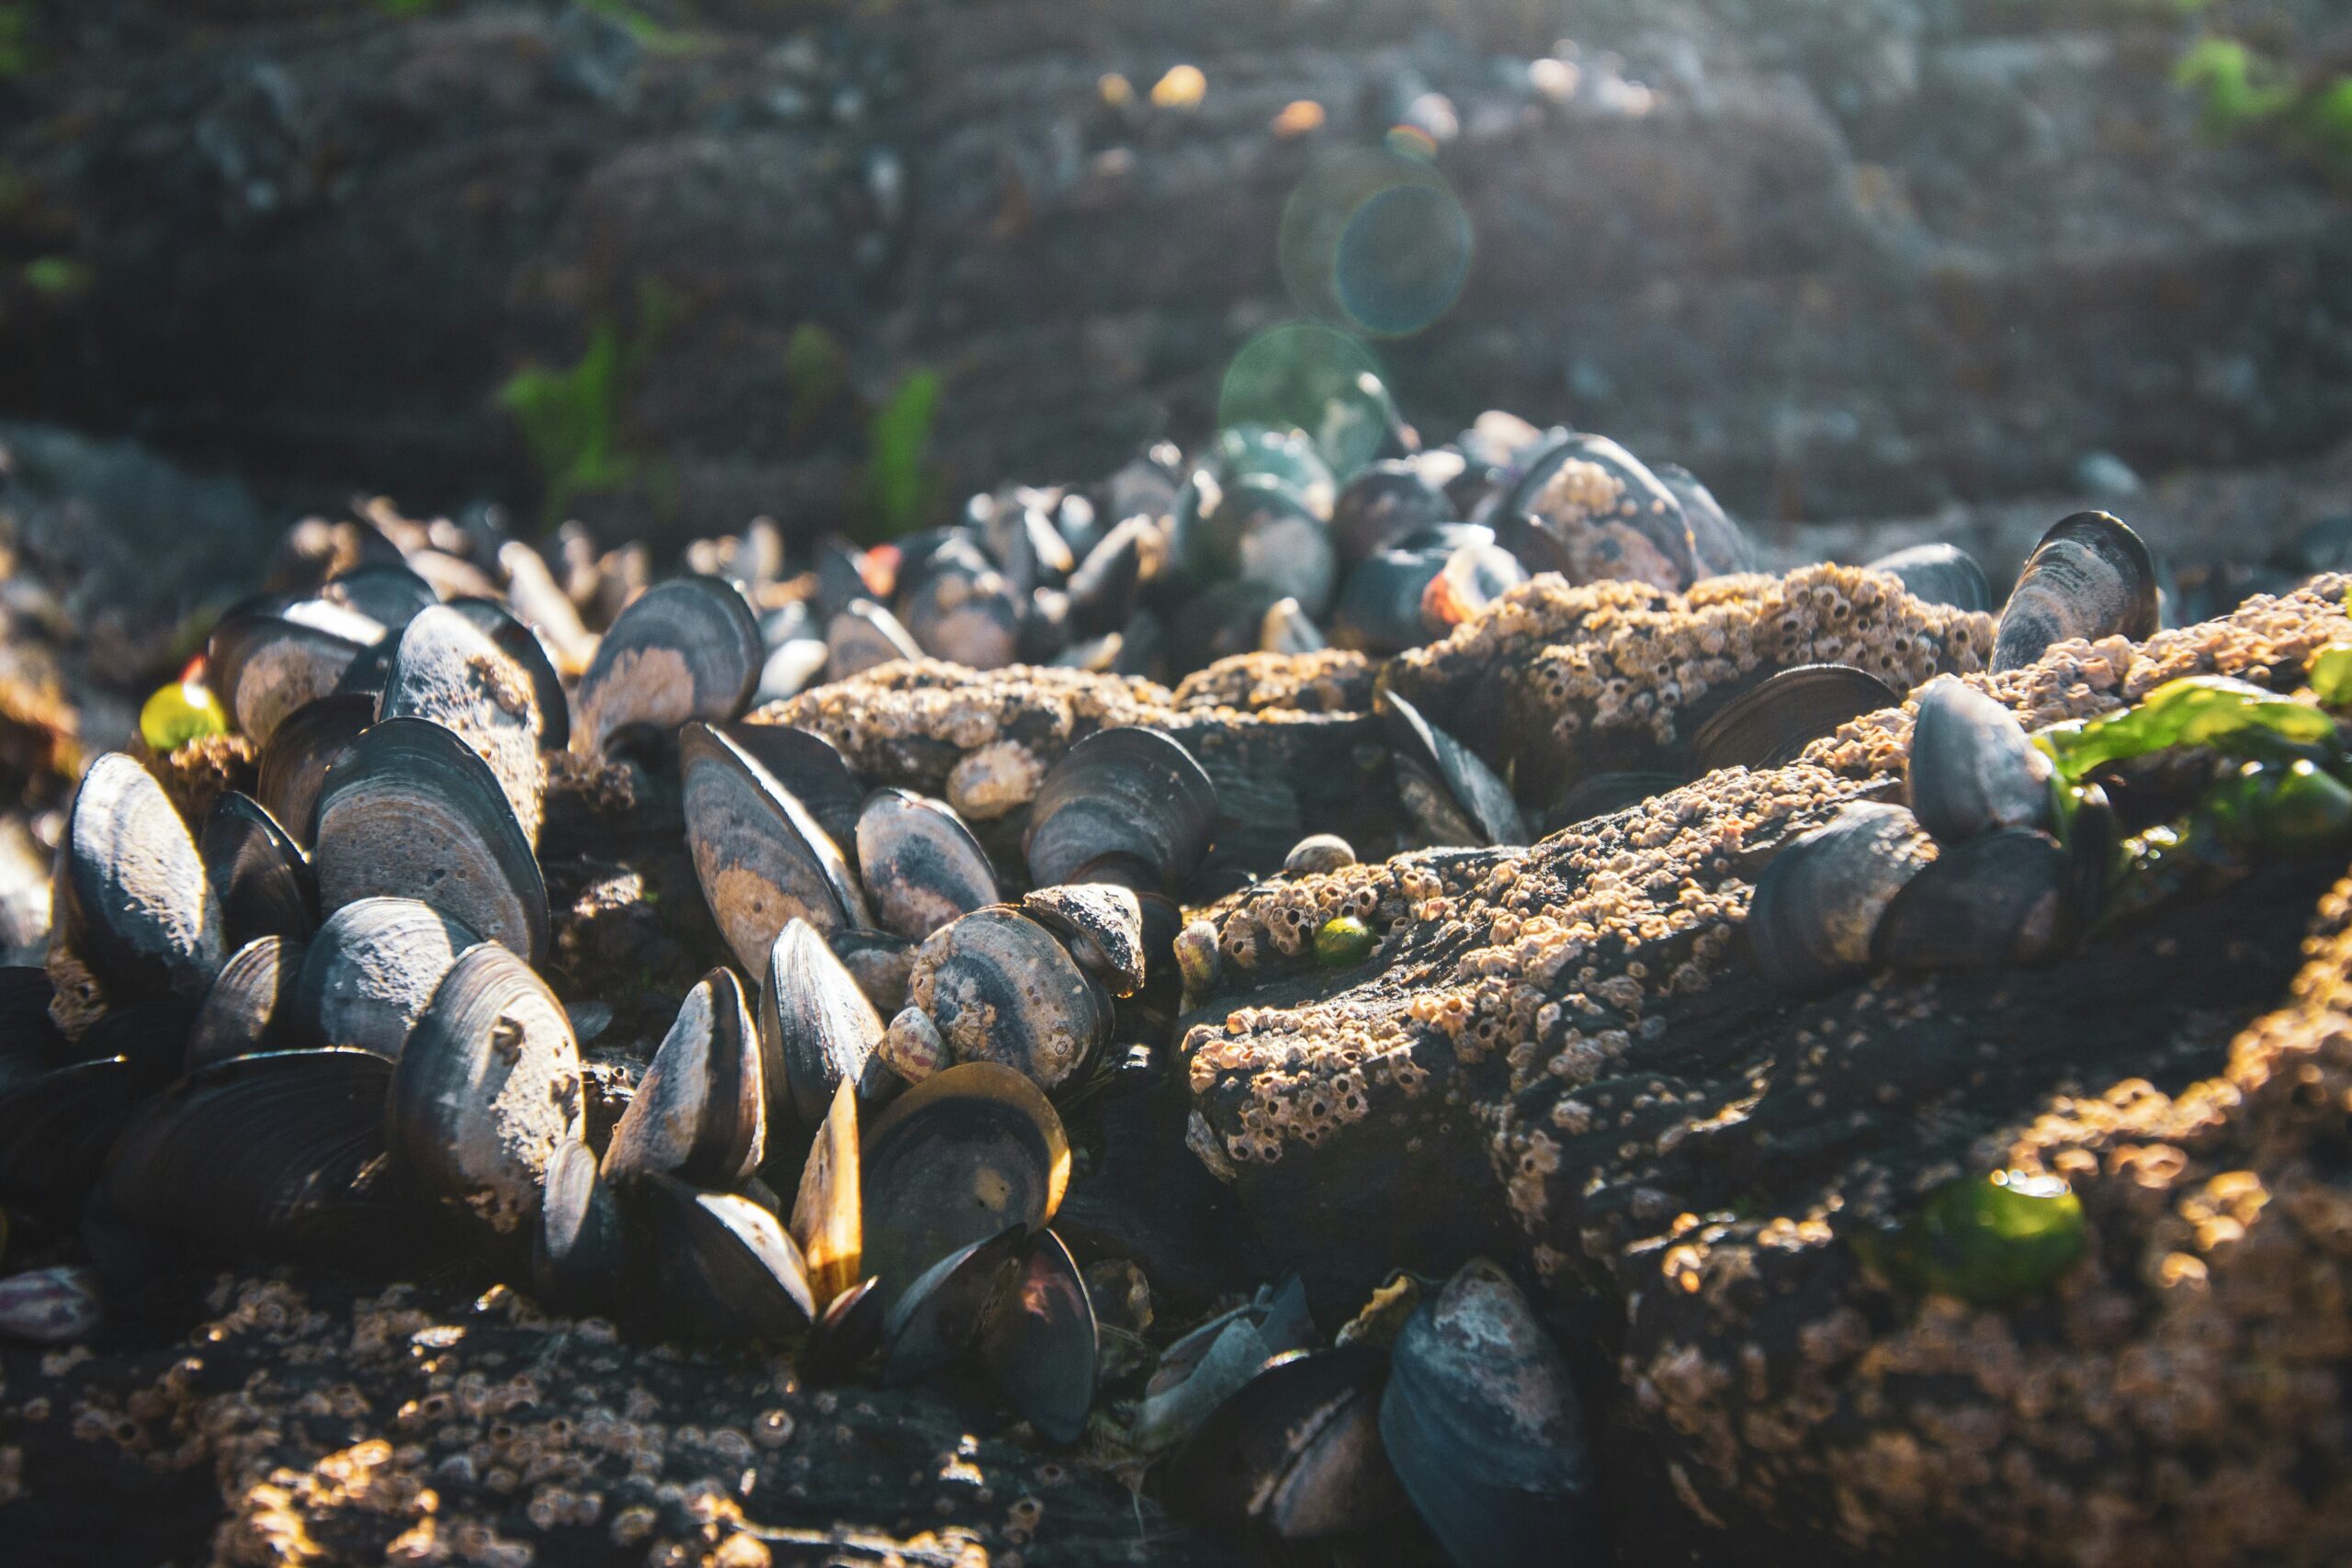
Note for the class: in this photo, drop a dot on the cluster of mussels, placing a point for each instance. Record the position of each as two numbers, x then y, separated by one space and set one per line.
313 1023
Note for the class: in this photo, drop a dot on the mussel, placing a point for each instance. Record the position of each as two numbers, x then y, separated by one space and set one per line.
447 669
294 762
1100 925
268 661
1451 791
730 1271
1971 768
260 875
251 1006
1940 574
1128 791
999 987
700 1112
371 972
1773 723
864 634
132 903
687 648
2090 577
1296 1455
1999 899
815 1030
762 857
921 864
1817 904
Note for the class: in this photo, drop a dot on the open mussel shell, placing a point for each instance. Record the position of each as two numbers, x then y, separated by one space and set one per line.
942 1315
1211 1363
1609 513
1101 924
132 899
55 1130
1773 723
586 1250
811 767
265 1154
1458 798
1474 576
762 857
700 1112
1817 904
1296 1455
2090 577
729 1272
372 970
828 1209
1127 790
957 1159
251 1006
260 875
863 635
410 812
1482 1425
1999 899
921 866
1040 1342
486 1090
267 662
1971 767
879 962
816 1031
687 648
522 645
1940 574
999 987
1718 546
447 669
293 763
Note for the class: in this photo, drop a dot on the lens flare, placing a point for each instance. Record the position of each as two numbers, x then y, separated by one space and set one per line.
1303 375
1374 239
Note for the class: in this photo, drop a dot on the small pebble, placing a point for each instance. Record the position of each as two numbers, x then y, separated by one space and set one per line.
50 1306
1319 852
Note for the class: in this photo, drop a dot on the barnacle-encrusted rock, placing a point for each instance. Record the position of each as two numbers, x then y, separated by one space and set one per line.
1568 1045
1331 679
1564 681
984 740
303 1423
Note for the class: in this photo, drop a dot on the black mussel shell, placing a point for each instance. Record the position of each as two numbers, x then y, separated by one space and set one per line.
1817 904
1101 925
486 1091
372 970
1040 1343
1940 574
30 1043
586 1254
132 899
1384 501
729 1272
1381 606
844 1335
1458 798
55 1131
1999 899
251 1006
965 1154
815 1029
1773 723
1719 547
386 593
447 669
1219 622
259 872
1033 552
942 1315
1971 767
700 1110
1263 530
410 812
1288 628
811 767
293 763
1296 1455
1609 512
1602 795
841 576
921 864
973 618
687 648
2090 577
761 856
863 635
522 645
262 1156
1108 585
1482 1425
1129 790
267 662
998 987
879 962
792 667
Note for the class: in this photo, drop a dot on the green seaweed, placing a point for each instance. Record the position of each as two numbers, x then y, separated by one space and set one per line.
2196 710
1992 1241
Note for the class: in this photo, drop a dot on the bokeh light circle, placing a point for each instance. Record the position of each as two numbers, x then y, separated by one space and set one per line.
1305 376
1374 240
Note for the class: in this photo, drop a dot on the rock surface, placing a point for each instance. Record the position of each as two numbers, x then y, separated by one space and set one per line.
1568 1044
1838 258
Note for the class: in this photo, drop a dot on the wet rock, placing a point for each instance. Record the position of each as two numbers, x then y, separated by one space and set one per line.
1569 1044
